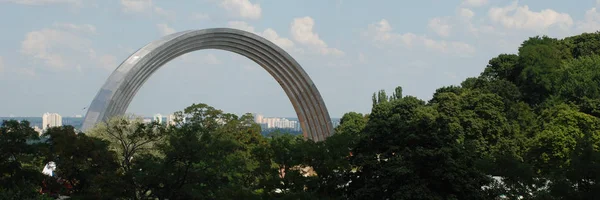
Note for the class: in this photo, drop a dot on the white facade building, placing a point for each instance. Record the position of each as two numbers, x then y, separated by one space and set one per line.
272 122
38 130
171 120
158 118
51 120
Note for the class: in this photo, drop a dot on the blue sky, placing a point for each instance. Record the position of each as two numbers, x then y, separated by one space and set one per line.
55 54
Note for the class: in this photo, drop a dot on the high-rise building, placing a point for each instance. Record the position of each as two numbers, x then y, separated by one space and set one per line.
171 120
158 118
258 118
51 120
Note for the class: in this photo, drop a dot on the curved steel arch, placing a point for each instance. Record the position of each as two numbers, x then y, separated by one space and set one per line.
118 91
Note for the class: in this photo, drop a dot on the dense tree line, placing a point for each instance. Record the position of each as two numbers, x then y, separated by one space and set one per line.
528 126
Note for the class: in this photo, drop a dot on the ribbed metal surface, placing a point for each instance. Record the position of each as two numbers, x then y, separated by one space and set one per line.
117 92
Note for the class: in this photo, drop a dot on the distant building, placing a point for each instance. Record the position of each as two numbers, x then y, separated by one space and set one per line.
38 129
158 118
258 118
276 123
335 123
51 120
171 120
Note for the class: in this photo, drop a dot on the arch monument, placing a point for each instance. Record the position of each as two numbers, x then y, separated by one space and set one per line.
117 92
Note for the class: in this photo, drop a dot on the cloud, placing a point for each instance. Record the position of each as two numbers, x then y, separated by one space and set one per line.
514 16
45 43
242 8
474 3
62 47
268 34
241 25
440 26
136 6
164 13
591 23
303 33
84 28
382 34
466 13
199 16
164 29
44 2
272 36
145 6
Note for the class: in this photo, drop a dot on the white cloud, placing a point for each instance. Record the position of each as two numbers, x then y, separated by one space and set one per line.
466 13
241 25
164 13
136 6
145 6
164 29
199 16
242 8
45 43
84 28
440 26
44 2
272 36
514 16
65 46
268 34
591 23
474 3
381 33
302 32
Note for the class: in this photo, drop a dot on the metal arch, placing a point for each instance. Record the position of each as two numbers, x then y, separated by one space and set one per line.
119 89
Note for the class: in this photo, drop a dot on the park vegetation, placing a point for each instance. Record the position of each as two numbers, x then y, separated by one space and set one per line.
527 127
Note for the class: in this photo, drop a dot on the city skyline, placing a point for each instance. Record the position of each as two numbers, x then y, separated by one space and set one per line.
164 115
267 123
372 47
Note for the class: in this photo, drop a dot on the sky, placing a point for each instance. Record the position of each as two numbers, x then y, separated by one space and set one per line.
56 54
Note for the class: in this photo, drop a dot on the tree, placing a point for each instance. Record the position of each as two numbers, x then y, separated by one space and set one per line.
503 67
210 155
85 166
410 152
129 137
540 58
20 161
586 44
351 123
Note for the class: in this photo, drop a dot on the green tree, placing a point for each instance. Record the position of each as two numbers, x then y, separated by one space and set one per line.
83 163
20 162
410 151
